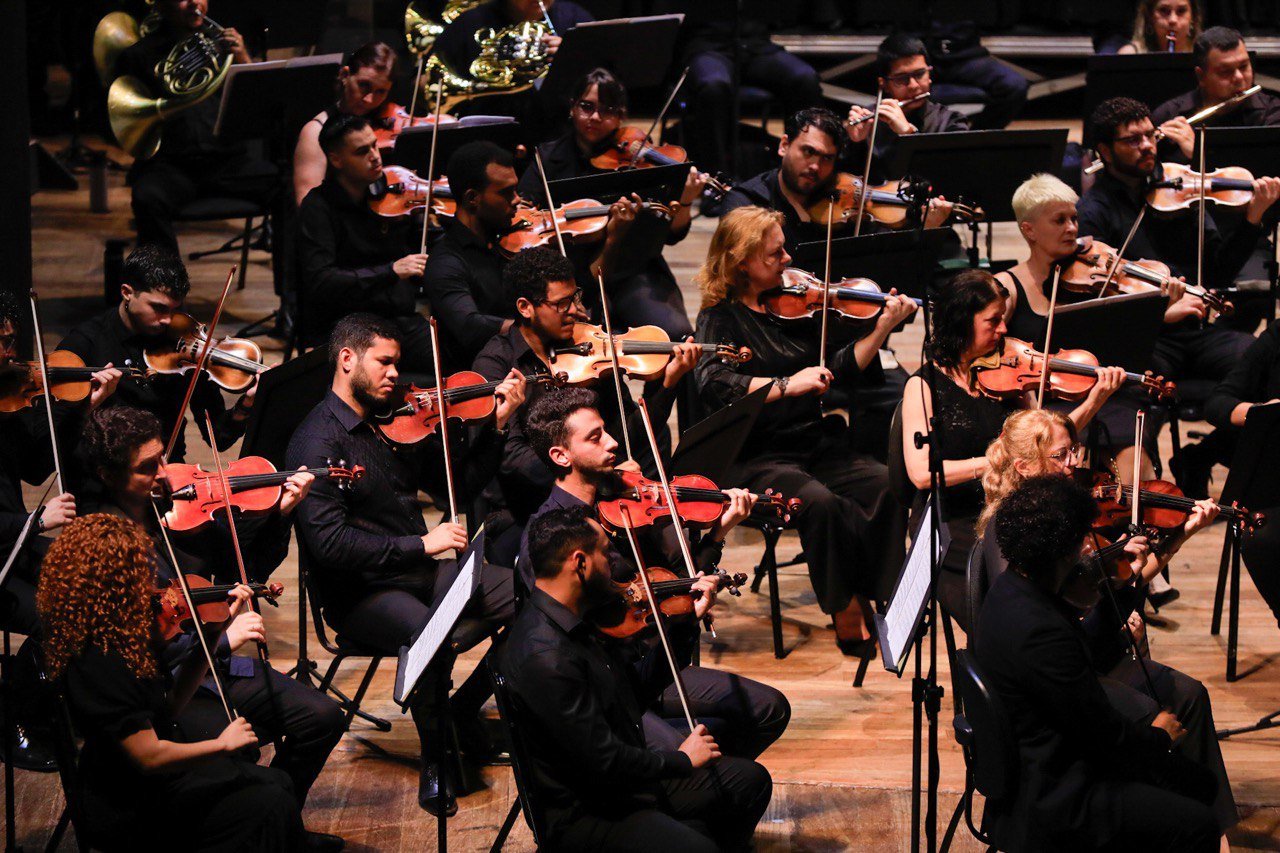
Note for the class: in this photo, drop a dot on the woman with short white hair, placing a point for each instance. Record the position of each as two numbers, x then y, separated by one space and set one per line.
1045 209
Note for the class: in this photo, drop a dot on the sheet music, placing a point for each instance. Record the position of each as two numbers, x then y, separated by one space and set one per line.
437 629
898 627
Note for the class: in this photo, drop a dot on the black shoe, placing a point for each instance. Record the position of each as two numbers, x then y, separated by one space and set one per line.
32 748
322 842
434 794
475 741
1164 597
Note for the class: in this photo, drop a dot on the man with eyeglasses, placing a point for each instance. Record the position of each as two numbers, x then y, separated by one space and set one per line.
549 303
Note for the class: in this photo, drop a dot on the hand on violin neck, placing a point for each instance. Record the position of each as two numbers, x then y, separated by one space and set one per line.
295 489
694 184
705 590
102 385
939 212
1186 306
622 215
509 396
1265 193
245 628
741 502
1138 550
683 358
1110 380
410 266
897 308
1204 514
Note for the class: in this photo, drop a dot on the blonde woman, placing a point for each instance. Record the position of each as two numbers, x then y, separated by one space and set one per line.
1157 20
850 526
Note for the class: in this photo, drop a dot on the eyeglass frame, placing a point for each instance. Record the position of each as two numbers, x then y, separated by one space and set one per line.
1074 450
565 304
597 108
908 77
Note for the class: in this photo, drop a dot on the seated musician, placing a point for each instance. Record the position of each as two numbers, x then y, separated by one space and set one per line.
1090 777
375 565
1125 139
604 784
154 285
190 163
144 785
1156 23
1253 381
123 446
850 525
641 287
352 259
364 82
549 305
968 323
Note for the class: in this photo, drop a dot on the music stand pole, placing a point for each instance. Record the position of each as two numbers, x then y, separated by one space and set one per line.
10 816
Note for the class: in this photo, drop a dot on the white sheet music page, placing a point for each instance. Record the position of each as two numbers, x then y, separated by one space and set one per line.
909 597
438 626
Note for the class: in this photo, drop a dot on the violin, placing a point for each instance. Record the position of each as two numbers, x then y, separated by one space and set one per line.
800 295
1091 266
581 221
233 363
631 615
400 192
1015 369
631 148
21 383
254 482
888 203
1162 504
392 118
1179 188
211 601
468 396
699 502
643 352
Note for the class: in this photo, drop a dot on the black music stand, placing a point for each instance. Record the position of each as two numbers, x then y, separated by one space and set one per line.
1257 451
1119 330
637 50
1151 78
659 183
901 259
413 146
286 395
711 446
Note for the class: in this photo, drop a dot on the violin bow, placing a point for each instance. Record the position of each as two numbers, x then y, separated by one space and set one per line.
444 421
417 81
866 168
195 614
551 205
612 346
1201 213
826 287
48 394
431 164
1119 261
662 114
200 365
1048 336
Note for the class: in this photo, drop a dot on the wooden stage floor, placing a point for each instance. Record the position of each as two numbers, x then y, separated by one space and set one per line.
842 771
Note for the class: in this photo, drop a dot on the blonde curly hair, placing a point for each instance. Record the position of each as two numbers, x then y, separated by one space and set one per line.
739 235
95 589
1025 437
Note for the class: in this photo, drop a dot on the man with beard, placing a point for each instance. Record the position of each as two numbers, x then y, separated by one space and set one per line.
1126 142
604 782
376 567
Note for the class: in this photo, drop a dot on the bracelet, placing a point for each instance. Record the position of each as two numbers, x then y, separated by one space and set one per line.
782 382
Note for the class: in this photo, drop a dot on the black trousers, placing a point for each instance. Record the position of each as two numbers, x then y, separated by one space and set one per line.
715 809
307 723
852 528
751 715
162 185
651 297
986 79
390 618
1209 352
1260 553
791 80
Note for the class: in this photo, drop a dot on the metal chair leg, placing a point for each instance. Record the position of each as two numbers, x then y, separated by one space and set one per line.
507 825
244 252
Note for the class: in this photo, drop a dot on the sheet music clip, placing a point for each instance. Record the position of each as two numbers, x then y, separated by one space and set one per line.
416 657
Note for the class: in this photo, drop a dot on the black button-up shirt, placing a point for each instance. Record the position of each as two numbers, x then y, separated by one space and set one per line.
1260 110
105 339
345 253
581 703
763 191
464 285
369 536
933 117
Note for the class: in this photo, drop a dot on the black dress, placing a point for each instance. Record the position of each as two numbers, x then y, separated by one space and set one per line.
224 803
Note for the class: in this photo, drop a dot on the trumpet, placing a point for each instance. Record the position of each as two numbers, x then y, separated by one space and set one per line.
1197 118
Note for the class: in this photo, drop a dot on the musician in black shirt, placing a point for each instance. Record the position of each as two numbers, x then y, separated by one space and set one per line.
602 784
352 259
375 566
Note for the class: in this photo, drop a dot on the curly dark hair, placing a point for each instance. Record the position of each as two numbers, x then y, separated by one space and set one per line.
113 434
545 422
953 311
529 273
1042 521
151 267
556 534
95 589
816 117
1113 114
11 309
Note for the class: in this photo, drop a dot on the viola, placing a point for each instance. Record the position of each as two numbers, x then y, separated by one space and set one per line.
1090 268
581 221
233 363
1162 504
643 352
888 203
1179 187
21 382
212 603
392 118
400 192
800 295
631 148
468 396
631 616
1015 370
699 502
255 487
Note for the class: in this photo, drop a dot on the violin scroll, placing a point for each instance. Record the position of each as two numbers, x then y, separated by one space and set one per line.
343 475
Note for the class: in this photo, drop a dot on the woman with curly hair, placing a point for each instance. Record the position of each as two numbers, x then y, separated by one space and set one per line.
792 448
968 324
141 787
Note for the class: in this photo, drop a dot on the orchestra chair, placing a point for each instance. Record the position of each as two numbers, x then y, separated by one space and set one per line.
986 738
768 566
526 800
68 757
1187 406
219 208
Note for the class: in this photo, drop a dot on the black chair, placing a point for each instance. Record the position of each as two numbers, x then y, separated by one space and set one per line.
216 209
526 790
986 737
68 756
768 568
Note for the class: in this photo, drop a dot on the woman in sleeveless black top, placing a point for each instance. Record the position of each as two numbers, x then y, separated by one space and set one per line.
968 323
